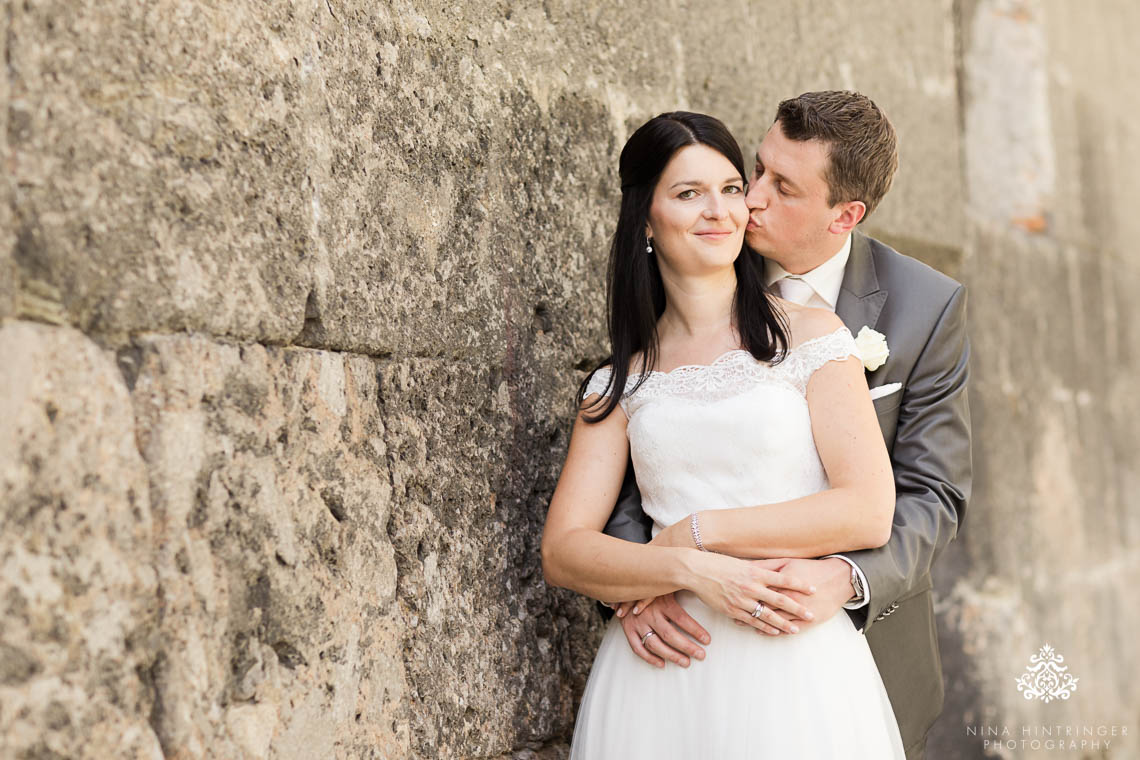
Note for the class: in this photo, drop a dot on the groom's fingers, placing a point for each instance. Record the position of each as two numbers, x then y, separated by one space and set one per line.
635 643
788 581
672 609
666 642
635 628
674 645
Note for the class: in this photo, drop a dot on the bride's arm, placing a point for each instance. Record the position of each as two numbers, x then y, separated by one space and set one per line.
854 513
575 553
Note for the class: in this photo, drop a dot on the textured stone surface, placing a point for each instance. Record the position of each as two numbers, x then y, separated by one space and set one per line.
493 655
379 178
8 271
1051 553
297 296
78 604
271 494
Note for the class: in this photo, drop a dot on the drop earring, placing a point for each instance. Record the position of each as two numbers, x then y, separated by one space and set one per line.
649 246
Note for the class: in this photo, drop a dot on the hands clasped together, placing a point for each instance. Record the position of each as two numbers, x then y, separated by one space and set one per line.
774 596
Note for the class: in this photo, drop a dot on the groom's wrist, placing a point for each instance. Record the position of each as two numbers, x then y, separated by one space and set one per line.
851 583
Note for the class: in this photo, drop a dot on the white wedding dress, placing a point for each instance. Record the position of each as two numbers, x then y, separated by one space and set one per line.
731 434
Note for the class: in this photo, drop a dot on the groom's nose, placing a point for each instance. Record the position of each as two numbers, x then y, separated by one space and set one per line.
757 196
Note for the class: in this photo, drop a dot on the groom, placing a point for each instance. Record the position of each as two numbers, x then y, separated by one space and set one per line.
824 165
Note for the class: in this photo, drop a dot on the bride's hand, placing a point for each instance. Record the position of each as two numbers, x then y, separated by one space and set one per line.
733 586
675 535
636 607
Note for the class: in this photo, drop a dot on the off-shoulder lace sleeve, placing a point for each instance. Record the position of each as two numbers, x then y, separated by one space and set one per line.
803 360
598 383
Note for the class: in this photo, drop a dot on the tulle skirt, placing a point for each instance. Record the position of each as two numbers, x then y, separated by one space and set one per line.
812 695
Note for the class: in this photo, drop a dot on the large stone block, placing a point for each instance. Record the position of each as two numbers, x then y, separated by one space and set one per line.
162 181
494 658
270 490
79 611
337 174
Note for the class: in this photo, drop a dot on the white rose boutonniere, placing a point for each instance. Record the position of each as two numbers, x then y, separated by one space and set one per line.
872 347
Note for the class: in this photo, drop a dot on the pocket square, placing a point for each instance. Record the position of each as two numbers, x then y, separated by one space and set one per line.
885 390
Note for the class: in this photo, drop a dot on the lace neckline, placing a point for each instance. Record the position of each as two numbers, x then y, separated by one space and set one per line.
732 351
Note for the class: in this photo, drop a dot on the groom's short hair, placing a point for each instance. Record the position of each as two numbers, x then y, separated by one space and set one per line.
861 142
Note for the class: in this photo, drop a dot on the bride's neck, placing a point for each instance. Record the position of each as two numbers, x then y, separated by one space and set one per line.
697 308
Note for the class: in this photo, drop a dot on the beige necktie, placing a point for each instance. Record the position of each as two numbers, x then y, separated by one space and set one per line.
794 289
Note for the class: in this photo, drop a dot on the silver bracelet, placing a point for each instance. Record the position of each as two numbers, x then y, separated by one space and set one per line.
696 532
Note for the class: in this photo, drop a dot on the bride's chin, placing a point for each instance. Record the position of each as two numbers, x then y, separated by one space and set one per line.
707 262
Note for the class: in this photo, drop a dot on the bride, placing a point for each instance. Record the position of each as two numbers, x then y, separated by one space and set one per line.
753 436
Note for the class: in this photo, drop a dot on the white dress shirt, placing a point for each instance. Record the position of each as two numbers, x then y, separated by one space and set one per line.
825 282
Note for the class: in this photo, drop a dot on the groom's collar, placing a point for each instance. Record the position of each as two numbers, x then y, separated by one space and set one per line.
826 279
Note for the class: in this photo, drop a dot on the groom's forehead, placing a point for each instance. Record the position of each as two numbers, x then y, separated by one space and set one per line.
794 159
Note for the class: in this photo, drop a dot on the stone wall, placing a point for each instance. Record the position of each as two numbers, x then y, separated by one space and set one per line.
295 298
1051 552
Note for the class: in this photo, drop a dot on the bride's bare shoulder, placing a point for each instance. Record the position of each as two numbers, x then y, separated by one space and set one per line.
634 366
807 323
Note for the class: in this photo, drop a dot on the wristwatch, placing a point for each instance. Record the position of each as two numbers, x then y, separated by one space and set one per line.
857 584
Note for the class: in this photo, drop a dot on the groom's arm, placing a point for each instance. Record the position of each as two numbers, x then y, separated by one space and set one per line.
628 520
932 467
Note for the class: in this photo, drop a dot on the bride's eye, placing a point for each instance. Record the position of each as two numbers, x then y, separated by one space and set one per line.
734 189
687 194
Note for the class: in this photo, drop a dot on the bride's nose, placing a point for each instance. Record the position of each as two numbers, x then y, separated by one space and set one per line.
716 207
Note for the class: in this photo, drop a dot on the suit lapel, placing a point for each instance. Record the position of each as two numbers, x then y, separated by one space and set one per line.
860 303
860 299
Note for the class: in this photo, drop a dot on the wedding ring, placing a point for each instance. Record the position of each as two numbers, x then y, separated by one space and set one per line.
648 633
759 610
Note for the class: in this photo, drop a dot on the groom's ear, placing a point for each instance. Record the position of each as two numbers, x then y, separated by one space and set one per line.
850 214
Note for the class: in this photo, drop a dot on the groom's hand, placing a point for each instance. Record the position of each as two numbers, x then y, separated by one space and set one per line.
832 580
668 643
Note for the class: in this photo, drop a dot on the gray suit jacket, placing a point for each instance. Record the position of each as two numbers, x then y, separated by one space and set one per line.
927 430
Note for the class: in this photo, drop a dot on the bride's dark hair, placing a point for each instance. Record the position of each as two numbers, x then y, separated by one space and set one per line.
634 291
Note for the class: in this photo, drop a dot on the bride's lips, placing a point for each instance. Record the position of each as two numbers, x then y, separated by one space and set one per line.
714 234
